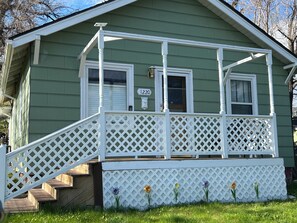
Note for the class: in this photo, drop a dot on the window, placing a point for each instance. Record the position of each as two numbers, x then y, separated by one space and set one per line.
118 88
242 94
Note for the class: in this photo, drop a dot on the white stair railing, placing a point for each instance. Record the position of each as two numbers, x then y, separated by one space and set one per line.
46 158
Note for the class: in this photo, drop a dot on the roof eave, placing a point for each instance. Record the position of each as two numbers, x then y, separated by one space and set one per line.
70 21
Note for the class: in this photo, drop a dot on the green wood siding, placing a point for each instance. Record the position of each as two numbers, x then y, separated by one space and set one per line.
55 86
19 122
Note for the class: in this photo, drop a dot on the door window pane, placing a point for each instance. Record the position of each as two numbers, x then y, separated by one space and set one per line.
177 95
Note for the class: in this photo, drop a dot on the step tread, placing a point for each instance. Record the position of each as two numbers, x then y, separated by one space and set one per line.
41 195
76 173
58 184
18 205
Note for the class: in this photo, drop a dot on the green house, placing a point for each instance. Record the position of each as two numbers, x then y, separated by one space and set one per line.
189 79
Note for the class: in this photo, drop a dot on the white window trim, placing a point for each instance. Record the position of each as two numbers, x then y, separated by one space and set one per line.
242 77
84 81
179 72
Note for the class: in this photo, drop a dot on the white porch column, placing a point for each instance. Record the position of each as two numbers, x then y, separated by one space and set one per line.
272 108
2 176
220 57
101 109
165 77
165 99
270 81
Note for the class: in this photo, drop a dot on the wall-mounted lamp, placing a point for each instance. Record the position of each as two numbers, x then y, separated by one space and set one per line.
151 72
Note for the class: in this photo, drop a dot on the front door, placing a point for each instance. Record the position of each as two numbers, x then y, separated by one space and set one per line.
180 91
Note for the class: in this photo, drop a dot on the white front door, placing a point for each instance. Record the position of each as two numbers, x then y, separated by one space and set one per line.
180 90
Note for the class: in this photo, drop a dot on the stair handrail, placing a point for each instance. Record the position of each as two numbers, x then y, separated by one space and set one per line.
17 190
49 136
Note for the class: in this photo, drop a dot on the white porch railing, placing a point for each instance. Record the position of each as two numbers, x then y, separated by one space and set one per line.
132 134
250 135
195 134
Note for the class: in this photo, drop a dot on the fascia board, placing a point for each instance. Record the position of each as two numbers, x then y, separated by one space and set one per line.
63 24
248 27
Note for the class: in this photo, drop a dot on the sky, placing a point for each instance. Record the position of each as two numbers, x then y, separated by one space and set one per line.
79 4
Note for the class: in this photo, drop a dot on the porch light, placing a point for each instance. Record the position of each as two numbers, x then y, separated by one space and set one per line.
151 72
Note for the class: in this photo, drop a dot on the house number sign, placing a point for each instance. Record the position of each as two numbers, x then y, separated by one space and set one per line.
144 91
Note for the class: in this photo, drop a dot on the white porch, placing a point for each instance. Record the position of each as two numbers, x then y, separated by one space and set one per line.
167 134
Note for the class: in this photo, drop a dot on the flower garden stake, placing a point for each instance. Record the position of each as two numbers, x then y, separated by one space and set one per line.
233 190
115 192
176 191
256 187
206 190
147 189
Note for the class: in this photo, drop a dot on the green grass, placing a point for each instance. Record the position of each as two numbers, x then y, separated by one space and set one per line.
275 211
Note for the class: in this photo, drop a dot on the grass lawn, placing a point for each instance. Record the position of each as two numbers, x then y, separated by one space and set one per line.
276 211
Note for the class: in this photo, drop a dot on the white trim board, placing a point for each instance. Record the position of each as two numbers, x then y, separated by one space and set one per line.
129 68
178 164
242 77
187 73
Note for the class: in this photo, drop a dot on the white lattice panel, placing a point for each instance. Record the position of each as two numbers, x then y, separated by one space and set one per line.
134 134
195 135
34 164
249 135
271 181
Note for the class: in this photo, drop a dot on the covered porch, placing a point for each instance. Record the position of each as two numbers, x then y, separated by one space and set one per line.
183 134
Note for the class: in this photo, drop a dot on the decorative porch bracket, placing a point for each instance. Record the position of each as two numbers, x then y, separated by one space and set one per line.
245 60
292 72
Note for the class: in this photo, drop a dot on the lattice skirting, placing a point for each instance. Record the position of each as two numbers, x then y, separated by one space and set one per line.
131 177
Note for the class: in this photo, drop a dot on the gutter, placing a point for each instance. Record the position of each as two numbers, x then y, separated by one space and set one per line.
6 67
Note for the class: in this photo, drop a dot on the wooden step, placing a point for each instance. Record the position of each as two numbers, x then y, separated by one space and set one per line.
65 178
69 176
82 168
53 185
18 205
39 196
